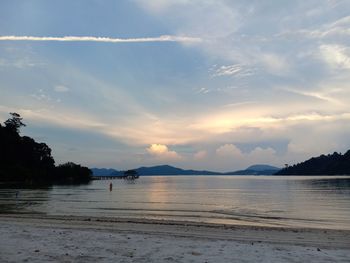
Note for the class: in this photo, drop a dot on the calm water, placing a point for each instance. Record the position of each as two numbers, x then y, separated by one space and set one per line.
255 200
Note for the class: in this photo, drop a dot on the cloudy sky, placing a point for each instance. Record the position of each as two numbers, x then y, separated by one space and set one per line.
203 84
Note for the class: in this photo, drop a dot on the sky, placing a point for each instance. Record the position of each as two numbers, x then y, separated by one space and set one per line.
200 84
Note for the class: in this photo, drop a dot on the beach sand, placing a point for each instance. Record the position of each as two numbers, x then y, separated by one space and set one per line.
40 238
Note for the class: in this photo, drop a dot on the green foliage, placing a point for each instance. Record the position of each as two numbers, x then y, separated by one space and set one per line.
24 160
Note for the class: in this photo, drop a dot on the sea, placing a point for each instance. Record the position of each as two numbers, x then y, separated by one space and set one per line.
280 201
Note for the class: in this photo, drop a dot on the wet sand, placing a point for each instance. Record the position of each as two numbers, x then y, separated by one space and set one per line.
40 238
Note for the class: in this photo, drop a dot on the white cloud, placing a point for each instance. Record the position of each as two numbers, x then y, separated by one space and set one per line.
256 155
227 70
230 157
163 38
336 56
228 150
235 70
61 88
162 151
254 34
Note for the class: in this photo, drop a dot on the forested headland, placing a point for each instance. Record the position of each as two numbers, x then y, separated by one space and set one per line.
331 164
23 160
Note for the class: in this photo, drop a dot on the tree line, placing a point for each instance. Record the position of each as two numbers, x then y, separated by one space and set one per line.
24 160
331 164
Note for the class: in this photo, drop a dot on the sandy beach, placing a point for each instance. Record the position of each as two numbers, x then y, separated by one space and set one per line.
39 238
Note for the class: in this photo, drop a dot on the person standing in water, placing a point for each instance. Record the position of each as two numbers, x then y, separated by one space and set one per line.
110 187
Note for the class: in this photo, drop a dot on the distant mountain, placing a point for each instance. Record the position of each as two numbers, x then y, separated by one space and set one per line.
170 170
104 172
259 169
262 167
331 164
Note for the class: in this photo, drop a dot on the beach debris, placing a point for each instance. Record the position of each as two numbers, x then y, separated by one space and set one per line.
36 250
194 253
318 249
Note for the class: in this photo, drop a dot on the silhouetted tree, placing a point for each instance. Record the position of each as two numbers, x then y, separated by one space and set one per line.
15 123
72 173
24 160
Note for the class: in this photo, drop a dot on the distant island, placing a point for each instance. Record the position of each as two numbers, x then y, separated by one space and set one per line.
259 169
331 164
23 160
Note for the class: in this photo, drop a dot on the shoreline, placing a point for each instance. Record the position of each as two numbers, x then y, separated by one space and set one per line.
301 236
26 237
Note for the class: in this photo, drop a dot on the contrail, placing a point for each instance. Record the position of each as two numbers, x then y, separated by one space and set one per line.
163 38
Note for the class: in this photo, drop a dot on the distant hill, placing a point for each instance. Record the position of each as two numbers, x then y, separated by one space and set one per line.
170 170
331 164
259 169
104 172
262 167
